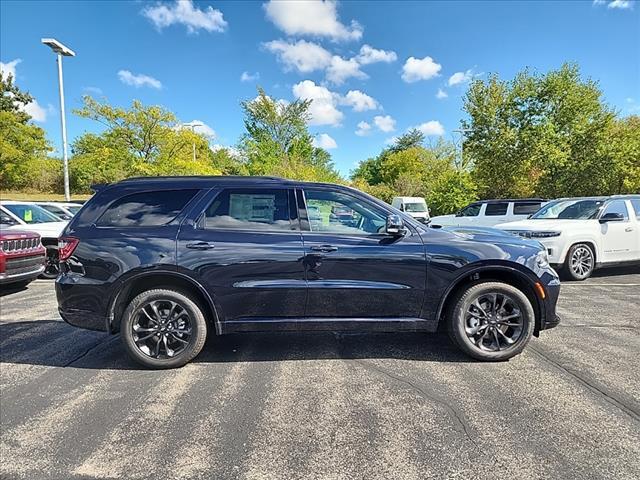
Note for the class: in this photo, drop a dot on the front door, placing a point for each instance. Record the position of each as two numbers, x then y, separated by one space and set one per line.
246 249
354 269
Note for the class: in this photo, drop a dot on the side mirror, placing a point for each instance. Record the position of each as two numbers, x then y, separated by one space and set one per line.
395 225
611 217
459 214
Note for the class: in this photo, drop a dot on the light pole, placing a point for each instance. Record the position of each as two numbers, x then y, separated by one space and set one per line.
193 129
61 50
462 131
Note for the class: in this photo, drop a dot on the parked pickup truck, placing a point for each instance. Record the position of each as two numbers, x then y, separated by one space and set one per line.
582 234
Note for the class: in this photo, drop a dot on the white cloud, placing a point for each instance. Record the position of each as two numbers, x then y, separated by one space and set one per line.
36 111
360 101
249 77
369 55
323 108
183 12
621 4
363 130
340 70
325 141
139 80
10 68
460 77
201 128
441 94
431 128
385 123
415 69
302 56
618 4
311 17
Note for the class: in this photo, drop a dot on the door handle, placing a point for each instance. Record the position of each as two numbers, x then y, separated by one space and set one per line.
628 229
324 248
201 245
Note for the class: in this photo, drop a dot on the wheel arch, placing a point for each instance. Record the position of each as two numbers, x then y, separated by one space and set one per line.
589 241
140 282
501 273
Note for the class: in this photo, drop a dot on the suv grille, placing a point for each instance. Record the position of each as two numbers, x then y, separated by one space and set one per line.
20 244
17 266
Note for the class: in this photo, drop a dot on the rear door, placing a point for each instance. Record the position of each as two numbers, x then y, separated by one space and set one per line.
495 213
245 247
354 269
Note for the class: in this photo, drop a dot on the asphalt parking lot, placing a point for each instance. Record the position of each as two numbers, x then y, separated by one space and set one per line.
356 406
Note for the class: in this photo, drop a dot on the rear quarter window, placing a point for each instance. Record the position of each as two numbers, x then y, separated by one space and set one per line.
146 209
636 206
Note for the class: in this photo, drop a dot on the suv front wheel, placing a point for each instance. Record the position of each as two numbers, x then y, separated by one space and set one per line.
491 321
163 329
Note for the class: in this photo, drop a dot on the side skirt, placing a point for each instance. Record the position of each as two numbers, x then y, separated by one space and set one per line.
330 324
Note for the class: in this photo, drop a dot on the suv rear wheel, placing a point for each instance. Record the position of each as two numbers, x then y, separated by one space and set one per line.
163 329
491 321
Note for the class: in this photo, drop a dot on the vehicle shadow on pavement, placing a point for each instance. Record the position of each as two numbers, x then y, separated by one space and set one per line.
53 343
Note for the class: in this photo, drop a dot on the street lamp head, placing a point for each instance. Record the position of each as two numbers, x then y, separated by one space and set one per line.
58 47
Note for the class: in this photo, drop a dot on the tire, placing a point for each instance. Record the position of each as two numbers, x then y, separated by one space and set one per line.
580 262
498 324
146 329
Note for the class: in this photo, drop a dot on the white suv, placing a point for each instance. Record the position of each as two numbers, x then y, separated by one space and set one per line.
582 234
487 213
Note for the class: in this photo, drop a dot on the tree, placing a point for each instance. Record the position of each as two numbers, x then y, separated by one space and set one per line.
23 145
13 99
277 141
537 135
141 140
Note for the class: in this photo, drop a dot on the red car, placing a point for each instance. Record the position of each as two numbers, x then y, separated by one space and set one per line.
22 257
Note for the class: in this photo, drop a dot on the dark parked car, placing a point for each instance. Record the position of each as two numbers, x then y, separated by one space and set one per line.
166 261
22 257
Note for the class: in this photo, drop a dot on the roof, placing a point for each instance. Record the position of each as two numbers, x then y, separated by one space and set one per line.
208 181
503 200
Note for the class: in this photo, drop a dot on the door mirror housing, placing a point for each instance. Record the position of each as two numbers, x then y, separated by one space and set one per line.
395 225
612 217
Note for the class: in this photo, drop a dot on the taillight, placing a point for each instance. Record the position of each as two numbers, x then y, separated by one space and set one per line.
66 246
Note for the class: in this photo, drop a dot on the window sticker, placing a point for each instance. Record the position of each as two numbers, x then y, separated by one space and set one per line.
252 208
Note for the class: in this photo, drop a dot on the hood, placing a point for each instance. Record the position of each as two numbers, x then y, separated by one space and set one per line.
443 219
543 225
47 229
491 235
17 234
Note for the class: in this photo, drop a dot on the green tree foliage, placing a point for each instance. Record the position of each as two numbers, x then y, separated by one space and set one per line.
277 141
407 168
23 145
140 140
547 135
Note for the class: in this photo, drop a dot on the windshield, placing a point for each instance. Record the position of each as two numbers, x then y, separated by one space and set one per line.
31 213
74 208
584 209
415 207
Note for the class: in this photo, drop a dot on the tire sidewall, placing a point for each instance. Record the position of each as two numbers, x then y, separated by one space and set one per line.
458 313
198 336
567 263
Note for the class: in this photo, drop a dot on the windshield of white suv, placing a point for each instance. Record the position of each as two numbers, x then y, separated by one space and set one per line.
31 213
584 209
415 207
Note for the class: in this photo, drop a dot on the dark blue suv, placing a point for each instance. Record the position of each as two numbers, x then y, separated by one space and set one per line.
166 261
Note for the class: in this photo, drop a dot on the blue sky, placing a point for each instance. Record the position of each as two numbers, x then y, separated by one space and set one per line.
372 69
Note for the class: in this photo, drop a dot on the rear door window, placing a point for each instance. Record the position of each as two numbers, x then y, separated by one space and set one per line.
146 209
496 209
251 209
526 208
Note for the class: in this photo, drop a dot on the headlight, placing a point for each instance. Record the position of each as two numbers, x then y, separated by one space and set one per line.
545 234
542 259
